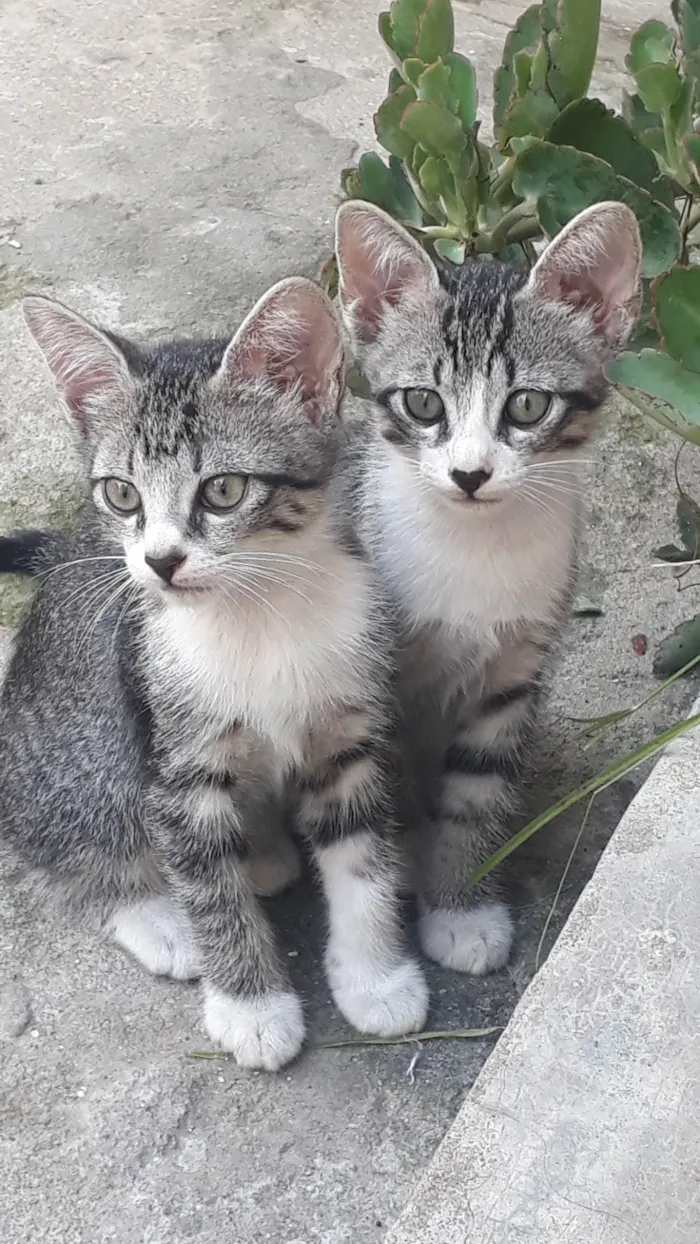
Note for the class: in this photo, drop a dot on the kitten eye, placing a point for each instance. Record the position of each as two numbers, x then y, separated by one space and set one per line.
223 492
424 404
527 406
121 496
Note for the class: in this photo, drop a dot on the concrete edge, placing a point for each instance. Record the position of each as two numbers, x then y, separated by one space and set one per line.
582 1127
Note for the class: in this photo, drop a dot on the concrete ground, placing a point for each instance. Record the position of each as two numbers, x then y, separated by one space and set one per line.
162 164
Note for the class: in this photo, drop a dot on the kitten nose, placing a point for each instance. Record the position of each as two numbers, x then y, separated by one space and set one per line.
166 565
471 481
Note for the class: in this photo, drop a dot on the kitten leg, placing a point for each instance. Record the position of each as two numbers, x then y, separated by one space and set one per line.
273 864
478 790
200 831
347 812
159 934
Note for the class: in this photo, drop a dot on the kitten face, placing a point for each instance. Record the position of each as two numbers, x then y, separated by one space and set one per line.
482 373
200 453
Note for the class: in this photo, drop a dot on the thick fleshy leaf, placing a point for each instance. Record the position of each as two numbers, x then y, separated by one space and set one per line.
434 85
636 115
386 31
408 209
464 90
662 387
589 126
572 44
678 648
395 81
412 69
525 35
404 16
670 553
692 150
569 180
652 44
687 15
436 178
436 129
676 296
387 122
436 31
659 87
531 113
454 252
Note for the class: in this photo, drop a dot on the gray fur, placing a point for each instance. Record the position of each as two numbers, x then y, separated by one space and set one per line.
472 521
146 729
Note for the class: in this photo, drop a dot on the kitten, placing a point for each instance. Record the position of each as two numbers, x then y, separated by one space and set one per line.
486 387
211 631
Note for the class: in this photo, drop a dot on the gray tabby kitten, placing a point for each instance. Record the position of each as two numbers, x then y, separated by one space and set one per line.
486 387
212 631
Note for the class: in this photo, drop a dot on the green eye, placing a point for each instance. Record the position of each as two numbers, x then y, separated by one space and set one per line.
527 406
121 496
223 492
424 404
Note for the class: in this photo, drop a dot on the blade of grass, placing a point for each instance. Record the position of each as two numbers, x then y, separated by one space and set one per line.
595 726
562 882
606 778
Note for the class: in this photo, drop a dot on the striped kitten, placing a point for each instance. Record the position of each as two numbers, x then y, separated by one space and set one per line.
486 388
210 633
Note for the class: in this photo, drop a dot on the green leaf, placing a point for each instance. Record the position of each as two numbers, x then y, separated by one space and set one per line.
584 607
436 178
436 31
451 250
434 86
636 115
661 388
687 15
464 89
405 16
412 69
529 114
589 126
676 296
571 180
387 122
688 520
572 44
436 129
406 206
524 36
357 384
652 44
386 31
659 87
678 648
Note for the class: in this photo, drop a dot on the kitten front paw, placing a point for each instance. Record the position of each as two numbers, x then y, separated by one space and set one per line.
262 1033
159 934
473 939
272 873
384 1004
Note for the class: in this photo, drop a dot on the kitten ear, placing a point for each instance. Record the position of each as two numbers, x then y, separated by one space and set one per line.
379 265
292 338
84 362
595 263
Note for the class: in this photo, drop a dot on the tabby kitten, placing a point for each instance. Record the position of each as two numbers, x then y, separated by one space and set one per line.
210 632
486 385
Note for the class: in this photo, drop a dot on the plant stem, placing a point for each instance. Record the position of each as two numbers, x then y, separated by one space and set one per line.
503 178
442 231
608 776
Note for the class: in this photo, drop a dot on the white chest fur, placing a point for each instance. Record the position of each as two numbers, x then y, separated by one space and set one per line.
473 570
278 663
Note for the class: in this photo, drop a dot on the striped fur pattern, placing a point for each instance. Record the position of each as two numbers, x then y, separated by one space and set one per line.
181 663
487 384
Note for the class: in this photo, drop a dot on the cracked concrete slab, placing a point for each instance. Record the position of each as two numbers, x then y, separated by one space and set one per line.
162 165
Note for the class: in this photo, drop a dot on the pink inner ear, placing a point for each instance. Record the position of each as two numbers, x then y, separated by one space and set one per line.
291 338
379 264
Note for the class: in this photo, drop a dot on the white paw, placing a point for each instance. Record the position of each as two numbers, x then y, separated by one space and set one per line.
386 1004
158 933
262 1033
472 939
271 874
